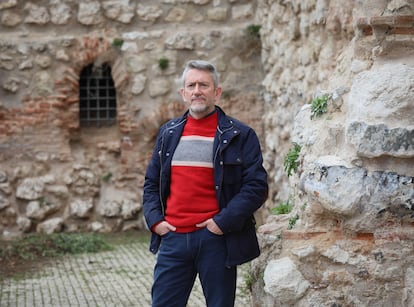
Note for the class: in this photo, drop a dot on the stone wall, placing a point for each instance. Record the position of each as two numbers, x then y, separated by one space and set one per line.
349 239
56 175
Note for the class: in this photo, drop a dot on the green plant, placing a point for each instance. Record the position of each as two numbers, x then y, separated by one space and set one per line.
283 208
117 42
292 221
44 202
291 162
163 63
319 105
79 243
254 30
304 206
107 176
34 246
249 280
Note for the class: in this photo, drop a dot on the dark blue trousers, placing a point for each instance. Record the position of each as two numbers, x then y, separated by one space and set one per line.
181 257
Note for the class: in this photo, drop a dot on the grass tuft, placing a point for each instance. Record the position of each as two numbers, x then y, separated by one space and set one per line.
34 246
282 208
291 161
319 105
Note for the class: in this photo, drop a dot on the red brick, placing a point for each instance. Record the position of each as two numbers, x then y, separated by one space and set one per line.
395 235
402 31
364 236
44 105
404 21
300 235
72 100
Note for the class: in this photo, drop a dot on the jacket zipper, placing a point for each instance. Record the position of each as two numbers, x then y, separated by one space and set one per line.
219 141
160 176
161 164
221 132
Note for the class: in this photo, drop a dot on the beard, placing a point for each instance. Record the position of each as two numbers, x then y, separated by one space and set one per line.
200 105
199 108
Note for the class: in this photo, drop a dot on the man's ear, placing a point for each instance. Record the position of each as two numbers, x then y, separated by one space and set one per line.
182 92
218 91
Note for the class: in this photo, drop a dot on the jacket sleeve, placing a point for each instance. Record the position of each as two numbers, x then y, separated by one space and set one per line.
249 192
152 205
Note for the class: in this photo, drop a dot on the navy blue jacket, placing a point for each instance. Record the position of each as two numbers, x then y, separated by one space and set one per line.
240 182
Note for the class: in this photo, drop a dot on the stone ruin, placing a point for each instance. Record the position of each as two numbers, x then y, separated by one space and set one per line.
62 170
348 240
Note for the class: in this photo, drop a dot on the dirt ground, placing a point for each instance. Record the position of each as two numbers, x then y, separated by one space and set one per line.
15 266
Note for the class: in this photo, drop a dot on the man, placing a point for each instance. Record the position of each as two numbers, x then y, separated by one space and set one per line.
203 183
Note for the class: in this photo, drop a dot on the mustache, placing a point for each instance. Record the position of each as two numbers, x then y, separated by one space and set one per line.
198 97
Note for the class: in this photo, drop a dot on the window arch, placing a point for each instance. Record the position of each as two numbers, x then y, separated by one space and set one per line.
97 97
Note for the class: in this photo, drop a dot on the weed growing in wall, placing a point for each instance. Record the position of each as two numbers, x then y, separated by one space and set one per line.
292 221
283 208
291 161
286 208
163 63
319 105
117 42
251 43
249 280
44 202
303 207
254 30
107 177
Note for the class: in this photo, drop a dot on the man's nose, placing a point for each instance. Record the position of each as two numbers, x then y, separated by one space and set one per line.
197 88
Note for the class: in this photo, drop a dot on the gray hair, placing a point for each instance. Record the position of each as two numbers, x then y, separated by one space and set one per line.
201 65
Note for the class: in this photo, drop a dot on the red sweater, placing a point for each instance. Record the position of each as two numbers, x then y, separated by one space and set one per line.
192 196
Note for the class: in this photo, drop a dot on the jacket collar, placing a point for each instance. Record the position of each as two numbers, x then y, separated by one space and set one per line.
224 122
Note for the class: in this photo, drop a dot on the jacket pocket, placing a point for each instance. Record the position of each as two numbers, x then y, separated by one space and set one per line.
242 246
232 171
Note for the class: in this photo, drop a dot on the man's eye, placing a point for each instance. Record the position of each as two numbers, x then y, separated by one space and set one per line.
203 86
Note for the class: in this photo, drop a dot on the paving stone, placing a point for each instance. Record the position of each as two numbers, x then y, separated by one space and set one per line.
122 277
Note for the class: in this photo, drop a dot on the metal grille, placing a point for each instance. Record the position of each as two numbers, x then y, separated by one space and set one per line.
97 97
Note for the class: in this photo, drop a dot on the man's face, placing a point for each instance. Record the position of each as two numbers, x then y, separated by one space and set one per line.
199 93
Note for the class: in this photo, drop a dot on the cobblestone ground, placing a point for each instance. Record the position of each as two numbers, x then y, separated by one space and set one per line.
122 277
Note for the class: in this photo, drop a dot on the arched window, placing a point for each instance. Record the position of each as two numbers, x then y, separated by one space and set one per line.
97 97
